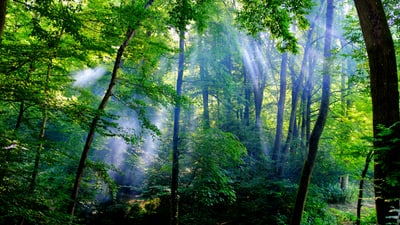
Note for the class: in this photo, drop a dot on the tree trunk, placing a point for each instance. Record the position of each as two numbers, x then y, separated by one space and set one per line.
259 80
3 12
296 88
39 151
204 87
385 107
247 96
319 124
281 108
343 87
361 186
258 99
204 92
93 125
306 107
296 84
204 79
303 118
308 90
344 182
175 140
22 104
41 134
95 120
20 114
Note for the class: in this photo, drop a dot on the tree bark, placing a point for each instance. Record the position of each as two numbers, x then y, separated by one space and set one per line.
95 120
296 88
20 114
361 186
281 108
247 96
258 99
258 81
93 125
306 108
175 140
385 106
319 124
204 89
22 104
307 117
3 12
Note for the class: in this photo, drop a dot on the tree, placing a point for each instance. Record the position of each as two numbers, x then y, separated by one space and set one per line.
319 124
33 76
281 107
89 139
213 159
385 106
42 131
175 140
306 97
44 119
259 80
361 186
277 17
297 86
182 13
204 78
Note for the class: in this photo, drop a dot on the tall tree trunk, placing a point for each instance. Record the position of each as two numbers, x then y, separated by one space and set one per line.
93 125
204 86
175 140
204 92
95 120
247 96
385 106
39 150
303 117
258 99
343 87
297 84
350 84
3 12
361 186
309 89
296 87
259 80
319 124
41 133
22 104
306 126
281 108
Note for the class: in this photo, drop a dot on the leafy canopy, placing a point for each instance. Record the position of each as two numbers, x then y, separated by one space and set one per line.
278 16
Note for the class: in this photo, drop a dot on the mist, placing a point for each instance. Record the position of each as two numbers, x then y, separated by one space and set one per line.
88 77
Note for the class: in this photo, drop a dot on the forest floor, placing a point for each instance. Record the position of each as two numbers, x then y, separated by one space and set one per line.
346 213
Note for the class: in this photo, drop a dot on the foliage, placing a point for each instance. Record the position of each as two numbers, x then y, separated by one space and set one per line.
215 155
250 207
183 12
276 16
45 43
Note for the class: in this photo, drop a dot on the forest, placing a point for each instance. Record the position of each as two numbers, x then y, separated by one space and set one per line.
225 112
